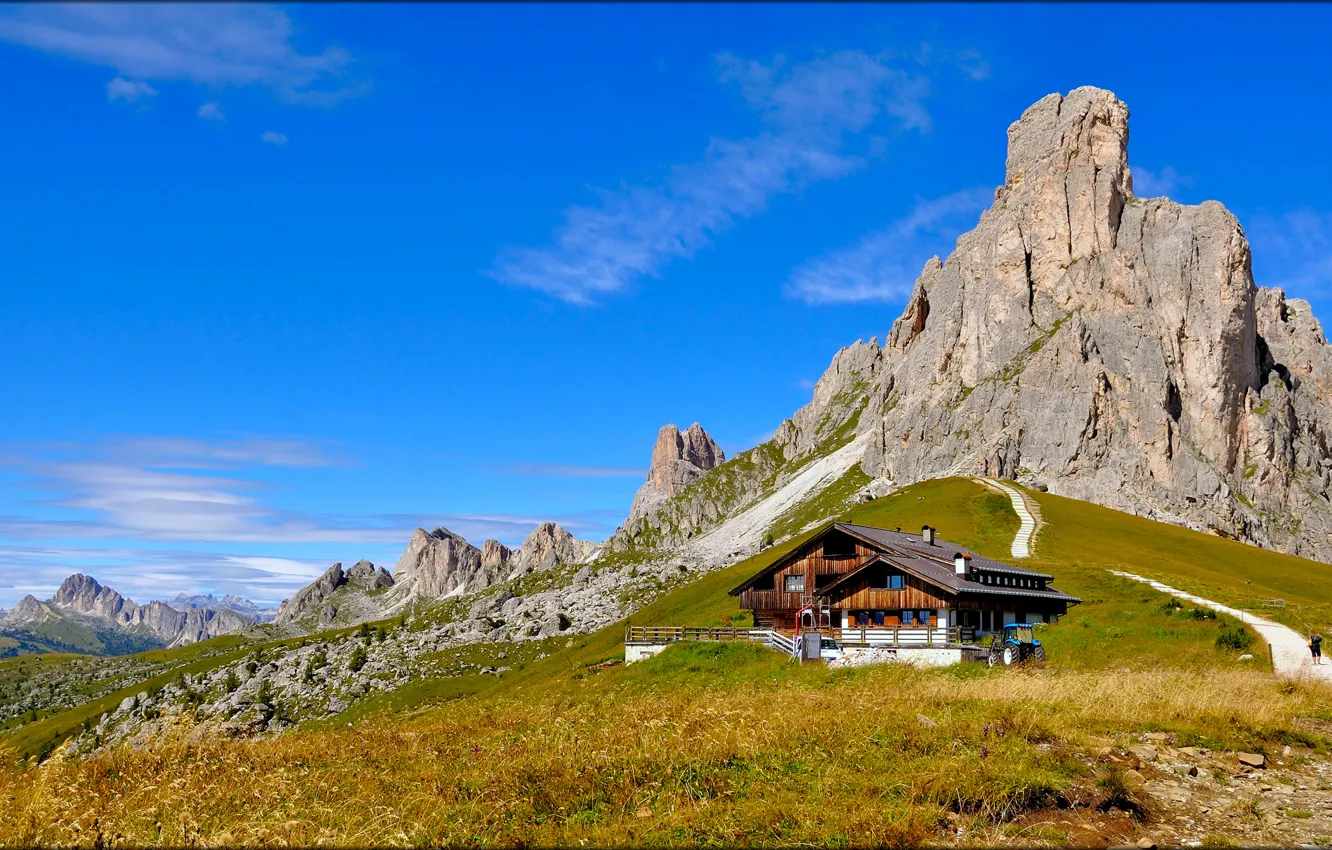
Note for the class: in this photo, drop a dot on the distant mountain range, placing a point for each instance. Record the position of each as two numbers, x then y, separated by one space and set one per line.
181 602
84 616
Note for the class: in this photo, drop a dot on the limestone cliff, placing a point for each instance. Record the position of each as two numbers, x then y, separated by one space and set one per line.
547 546
678 459
1112 348
438 563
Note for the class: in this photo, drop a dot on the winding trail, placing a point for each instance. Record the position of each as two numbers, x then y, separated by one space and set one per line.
1290 651
1022 540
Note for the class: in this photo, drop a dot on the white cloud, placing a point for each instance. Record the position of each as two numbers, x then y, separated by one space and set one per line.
214 44
128 90
883 265
1157 184
211 111
809 110
279 139
1294 252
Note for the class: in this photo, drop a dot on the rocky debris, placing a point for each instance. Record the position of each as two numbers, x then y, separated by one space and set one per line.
436 564
548 546
1251 759
678 459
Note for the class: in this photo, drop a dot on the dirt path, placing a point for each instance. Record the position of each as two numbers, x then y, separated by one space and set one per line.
1027 530
1290 650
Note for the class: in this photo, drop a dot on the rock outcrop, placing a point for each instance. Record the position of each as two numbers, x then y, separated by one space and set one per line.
29 610
182 602
336 589
678 459
494 555
547 546
436 564
1112 348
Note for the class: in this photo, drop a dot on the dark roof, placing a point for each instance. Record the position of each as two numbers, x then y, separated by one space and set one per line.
933 564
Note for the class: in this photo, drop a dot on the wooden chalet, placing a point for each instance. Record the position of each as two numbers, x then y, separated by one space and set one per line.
860 578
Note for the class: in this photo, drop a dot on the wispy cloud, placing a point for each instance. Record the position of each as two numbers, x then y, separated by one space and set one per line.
561 470
211 111
214 44
811 111
128 90
279 139
883 265
1157 184
1293 251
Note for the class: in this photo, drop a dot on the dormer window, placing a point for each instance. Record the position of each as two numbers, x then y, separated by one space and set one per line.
839 546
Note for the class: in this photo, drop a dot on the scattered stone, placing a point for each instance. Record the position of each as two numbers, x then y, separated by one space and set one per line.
1144 752
1251 759
925 721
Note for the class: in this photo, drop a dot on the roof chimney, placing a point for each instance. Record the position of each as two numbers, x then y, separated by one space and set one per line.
927 535
961 564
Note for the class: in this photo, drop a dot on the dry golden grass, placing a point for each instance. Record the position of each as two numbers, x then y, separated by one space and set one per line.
755 751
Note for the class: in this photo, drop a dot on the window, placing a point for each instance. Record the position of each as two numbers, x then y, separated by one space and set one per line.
924 618
839 546
795 584
891 581
878 618
908 618
862 618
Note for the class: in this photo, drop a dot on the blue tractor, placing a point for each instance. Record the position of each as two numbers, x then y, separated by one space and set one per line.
1017 645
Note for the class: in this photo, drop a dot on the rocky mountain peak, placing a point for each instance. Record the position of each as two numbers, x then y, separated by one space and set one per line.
85 595
548 545
494 555
678 459
438 563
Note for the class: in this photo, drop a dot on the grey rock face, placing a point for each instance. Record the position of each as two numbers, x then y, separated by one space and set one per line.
85 595
436 564
335 591
1112 347
548 545
678 459
29 609
494 555
312 596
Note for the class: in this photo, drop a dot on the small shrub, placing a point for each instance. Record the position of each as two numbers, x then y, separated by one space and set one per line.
1235 638
357 660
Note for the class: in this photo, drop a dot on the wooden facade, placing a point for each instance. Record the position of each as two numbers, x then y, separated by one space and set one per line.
842 578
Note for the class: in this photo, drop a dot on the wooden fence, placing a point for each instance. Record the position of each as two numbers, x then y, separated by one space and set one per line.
885 636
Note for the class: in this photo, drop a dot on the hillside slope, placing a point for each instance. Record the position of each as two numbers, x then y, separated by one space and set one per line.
728 744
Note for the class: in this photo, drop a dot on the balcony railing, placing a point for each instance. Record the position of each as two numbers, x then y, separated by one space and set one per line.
904 636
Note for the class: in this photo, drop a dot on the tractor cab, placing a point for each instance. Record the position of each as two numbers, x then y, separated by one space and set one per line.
1016 645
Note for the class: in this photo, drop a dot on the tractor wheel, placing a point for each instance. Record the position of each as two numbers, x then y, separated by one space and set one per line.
1038 655
1011 655
994 657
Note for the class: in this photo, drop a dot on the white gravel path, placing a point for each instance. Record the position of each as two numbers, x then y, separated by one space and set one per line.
1022 540
1290 649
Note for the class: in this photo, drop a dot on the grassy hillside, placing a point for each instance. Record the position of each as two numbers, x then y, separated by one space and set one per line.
725 743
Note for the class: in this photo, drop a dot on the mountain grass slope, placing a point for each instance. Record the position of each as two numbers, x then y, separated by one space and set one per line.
734 744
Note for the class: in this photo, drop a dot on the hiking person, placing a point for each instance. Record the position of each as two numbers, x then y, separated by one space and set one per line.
1316 647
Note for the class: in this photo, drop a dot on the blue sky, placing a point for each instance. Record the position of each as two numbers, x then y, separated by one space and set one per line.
278 284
